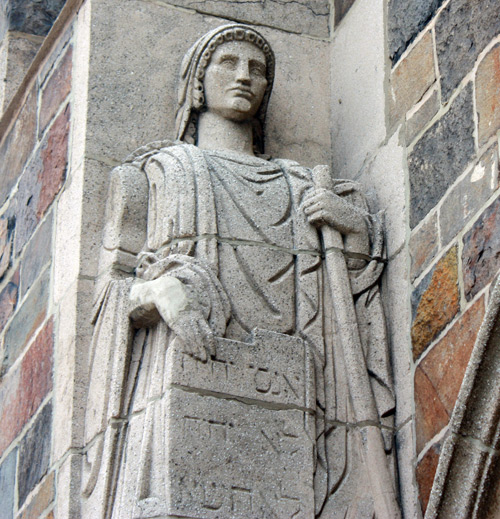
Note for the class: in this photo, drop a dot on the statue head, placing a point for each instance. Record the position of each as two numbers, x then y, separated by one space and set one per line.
192 99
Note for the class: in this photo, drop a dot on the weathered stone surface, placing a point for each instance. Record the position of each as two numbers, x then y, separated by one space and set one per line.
8 299
23 390
56 89
27 319
38 254
443 369
411 78
417 120
33 17
41 181
341 8
406 19
34 453
19 53
435 418
481 251
435 302
440 156
468 196
463 30
488 94
424 244
426 469
6 238
358 88
17 146
41 500
302 16
8 485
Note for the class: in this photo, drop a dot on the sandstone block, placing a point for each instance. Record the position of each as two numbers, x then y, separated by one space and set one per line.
435 302
424 244
23 390
302 16
480 255
463 30
37 256
426 469
27 319
411 78
488 95
8 299
56 89
468 196
406 19
41 181
417 120
41 500
34 454
444 368
440 156
17 147
7 485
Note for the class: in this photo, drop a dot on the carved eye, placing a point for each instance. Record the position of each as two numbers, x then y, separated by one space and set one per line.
258 70
228 62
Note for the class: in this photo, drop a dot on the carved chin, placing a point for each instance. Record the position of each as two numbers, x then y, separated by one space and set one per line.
243 107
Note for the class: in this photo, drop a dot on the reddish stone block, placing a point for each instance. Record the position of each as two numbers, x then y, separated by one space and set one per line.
423 246
435 302
488 95
41 500
430 414
411 78
8 299
6 238
426 470
54 155
56 89
23 390
439 376
17 147
481 251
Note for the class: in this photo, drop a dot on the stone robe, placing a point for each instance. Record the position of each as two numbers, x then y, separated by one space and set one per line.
231 229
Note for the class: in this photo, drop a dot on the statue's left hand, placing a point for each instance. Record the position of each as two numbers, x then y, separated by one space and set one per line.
322 207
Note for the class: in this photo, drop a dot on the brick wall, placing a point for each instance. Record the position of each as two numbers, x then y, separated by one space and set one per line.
445 90
33 168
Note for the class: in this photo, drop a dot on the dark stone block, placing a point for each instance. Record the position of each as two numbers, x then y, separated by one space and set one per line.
406 19
34 453
440 156
7 485
8 299
26 321
33 17
341 8
37 256
481 252
6 235
463 29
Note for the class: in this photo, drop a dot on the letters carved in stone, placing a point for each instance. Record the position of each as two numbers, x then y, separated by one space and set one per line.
239 363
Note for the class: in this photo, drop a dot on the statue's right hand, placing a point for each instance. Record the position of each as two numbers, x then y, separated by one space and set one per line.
167 297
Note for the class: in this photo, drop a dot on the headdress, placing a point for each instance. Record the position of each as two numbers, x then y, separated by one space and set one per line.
191 98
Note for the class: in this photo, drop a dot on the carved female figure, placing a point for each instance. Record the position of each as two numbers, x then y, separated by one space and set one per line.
232 245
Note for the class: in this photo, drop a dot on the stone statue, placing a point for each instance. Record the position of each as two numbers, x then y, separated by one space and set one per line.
238 248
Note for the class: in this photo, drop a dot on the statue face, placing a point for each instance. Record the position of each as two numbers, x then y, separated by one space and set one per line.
235 80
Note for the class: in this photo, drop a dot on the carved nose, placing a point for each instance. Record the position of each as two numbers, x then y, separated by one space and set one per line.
243 73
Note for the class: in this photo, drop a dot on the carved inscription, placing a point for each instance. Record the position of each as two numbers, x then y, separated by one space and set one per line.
254 371
228 459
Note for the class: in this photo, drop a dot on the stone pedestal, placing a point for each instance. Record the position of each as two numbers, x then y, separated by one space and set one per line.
240 431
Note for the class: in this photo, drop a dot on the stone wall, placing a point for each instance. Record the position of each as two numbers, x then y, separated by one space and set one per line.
33 170
444 95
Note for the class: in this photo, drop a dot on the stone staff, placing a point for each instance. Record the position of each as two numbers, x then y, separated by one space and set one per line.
363 400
